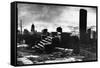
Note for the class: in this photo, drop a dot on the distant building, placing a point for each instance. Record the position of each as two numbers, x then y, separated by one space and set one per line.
89 32
33 29
94 35
26 31
45 33
59 29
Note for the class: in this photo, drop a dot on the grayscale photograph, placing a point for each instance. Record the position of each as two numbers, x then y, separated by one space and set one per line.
49 33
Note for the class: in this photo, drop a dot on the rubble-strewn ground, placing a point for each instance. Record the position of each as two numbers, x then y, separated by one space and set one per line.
30 56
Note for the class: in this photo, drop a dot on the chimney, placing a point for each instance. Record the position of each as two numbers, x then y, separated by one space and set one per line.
83 25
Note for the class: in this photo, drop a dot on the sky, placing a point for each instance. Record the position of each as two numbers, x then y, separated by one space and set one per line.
52 16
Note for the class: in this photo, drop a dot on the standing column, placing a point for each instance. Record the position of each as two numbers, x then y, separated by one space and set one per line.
83 24
21 38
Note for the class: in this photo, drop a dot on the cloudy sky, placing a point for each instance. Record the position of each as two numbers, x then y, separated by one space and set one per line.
52 16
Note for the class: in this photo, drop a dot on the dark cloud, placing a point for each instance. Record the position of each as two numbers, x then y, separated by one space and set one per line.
56 16
33 12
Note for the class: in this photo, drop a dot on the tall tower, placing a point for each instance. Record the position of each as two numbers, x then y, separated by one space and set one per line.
83 24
